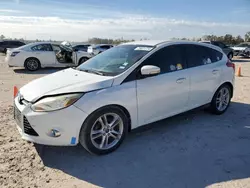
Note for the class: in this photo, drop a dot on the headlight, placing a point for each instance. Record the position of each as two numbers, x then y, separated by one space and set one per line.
55 103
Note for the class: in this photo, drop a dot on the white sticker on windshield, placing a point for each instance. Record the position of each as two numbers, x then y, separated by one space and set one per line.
144 48
121 67
125 64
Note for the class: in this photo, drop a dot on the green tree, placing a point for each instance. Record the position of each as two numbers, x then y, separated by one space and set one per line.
228 39
2 37
247 36
239 39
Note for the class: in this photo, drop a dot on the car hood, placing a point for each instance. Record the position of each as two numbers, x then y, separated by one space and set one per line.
239 48
65 81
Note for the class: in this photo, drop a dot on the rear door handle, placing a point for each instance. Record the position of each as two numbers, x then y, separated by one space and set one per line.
180 80
215 71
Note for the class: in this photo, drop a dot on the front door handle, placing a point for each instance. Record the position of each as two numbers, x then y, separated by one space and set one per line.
180 80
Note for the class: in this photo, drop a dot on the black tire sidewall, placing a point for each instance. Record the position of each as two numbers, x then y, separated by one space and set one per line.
213 107
230 54
81 60
84 136
26 62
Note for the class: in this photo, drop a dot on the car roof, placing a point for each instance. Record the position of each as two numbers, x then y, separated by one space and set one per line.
171 42
11 41
96 45
81 44
207 41
146 42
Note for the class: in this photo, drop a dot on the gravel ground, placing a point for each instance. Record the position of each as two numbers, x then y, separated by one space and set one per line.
195 149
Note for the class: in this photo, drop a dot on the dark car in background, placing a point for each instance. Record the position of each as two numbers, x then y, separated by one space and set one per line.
4 44
81 47
226 49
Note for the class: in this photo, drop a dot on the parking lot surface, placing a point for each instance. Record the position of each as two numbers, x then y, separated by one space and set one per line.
195 149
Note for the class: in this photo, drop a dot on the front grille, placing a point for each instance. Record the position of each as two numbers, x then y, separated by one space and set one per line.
27 128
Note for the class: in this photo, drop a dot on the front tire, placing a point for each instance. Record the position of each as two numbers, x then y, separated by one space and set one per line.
82 60
221 100
104 130
32 64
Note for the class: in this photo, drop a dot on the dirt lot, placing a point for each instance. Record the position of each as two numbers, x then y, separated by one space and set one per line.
192 150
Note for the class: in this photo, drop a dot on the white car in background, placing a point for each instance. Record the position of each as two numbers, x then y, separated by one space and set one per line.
242 49
128 86
98 48
38 55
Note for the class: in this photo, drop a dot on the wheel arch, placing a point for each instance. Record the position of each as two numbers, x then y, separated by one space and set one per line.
229 84
32 58
79 61
126 112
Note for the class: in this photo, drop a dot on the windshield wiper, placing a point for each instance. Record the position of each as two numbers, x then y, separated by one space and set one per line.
91 71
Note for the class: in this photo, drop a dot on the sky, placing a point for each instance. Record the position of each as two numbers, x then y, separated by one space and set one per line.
78 20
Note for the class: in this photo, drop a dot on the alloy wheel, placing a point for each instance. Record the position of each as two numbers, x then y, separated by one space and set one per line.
222 99
32 64
107 131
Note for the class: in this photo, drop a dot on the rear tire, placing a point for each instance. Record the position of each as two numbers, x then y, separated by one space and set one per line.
230 56
32 64
221 100
93 131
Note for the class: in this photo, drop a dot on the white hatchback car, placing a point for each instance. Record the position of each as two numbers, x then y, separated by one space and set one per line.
44 54
123 88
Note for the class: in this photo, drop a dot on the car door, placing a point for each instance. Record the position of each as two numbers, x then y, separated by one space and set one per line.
165 94
45 54
204 73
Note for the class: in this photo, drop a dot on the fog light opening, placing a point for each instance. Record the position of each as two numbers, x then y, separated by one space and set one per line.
54 133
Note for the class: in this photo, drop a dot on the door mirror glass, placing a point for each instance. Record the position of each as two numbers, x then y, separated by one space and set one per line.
150 70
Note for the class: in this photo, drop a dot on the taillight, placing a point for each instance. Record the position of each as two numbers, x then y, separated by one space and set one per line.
230 64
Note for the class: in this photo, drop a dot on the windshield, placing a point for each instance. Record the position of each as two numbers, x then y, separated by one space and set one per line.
115 60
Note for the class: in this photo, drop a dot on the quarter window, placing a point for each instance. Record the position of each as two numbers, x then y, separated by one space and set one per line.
169 59
42 47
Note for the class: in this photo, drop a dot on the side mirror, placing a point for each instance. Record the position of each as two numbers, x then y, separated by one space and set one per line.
75 50
150 70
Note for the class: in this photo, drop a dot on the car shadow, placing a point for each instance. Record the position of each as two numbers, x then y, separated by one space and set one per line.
194 149
40 71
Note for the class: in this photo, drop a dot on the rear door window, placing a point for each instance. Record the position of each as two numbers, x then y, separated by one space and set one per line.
200 55
42 47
